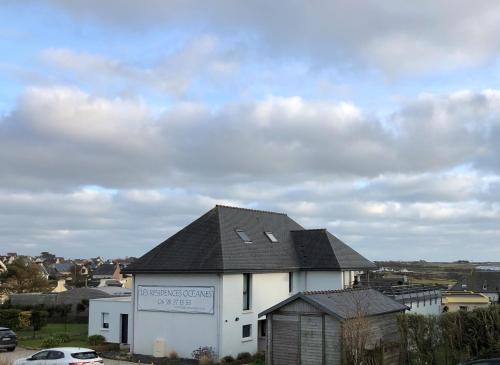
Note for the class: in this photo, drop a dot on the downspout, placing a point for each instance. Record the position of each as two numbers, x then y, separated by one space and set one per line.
220 318
133 316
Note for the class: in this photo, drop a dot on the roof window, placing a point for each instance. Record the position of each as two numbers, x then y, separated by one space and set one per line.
243 236
271 236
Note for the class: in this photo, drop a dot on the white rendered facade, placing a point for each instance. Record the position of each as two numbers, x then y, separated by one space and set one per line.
222 330
112 311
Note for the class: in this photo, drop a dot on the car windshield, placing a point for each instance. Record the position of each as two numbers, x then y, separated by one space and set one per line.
85 355
6 333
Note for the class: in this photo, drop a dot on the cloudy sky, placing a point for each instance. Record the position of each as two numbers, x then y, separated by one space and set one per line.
121 122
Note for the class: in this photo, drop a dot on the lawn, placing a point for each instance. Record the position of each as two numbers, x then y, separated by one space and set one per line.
77 332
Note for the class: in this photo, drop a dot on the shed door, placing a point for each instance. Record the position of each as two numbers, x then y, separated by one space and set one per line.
285 334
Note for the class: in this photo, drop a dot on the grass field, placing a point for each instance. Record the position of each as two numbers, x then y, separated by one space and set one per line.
77 332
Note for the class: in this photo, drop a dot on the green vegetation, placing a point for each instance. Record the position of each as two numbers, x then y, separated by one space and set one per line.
451 337
71 334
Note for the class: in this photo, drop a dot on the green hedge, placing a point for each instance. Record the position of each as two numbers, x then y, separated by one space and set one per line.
451 337
15 319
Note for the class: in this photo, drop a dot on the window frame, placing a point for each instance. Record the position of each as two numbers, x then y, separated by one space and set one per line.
249 327
271 237
243 235
247 291
104 323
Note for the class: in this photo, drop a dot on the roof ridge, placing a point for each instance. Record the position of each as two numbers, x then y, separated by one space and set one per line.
331 291
248 209
309 230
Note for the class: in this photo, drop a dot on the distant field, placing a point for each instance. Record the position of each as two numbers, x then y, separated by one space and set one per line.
430 281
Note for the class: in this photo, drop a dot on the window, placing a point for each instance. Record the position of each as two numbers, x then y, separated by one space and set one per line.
85 355
247 291
246 331
55 355
290 282
42 355
271 237
243 236
263 328
105 320
463 308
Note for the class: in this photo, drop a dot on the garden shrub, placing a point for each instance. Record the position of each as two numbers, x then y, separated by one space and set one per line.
226 360
244 356
173 355
259 356
51 341
96 340
205 352
15 319
62 337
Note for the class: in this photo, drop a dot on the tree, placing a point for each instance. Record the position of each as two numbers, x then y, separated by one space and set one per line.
38 320
355 330
23 276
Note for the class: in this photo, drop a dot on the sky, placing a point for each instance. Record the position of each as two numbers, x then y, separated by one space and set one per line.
123 121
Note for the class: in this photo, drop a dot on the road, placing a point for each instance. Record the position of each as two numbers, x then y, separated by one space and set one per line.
6 358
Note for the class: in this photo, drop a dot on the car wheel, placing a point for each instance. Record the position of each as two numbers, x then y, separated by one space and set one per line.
10 349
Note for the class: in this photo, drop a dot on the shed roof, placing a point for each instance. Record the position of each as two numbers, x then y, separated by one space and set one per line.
345 304
212 244
105 269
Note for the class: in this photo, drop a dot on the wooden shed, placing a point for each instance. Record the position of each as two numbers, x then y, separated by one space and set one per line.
308 327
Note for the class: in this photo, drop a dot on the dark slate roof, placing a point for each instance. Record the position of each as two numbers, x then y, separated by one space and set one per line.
64 267
347 303
319 249
105 269
480 282
211 244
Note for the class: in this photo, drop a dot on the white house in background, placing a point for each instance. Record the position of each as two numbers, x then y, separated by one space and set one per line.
111 318
206 284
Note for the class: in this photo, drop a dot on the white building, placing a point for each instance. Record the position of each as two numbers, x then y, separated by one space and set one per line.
205 285
111 318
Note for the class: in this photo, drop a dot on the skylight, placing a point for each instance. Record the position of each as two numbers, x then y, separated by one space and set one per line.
243 236
271 236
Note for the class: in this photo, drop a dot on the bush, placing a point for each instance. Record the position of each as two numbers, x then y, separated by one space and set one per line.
96 340
15 319
51 342
259 356
244 356
173 355
226 360
63 337
38 319
205 360
205 351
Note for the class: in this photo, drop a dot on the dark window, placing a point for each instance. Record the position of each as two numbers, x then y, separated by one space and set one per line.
263 328
243 236
271 237
247 331
290 282
85 355
247 291
54 355
105 320
42 355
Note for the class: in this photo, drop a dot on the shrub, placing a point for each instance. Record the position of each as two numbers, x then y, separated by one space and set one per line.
63 337
15 319
51 342
226 360
205 360
38 319
173 355
244 356
259 356
205 351
96 340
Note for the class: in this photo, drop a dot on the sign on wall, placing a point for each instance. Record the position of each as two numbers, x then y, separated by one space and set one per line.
184 299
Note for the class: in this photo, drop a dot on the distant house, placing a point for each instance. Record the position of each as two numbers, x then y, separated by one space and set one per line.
3 267
308 327
62 270
43 271
108 271
486 282
463 300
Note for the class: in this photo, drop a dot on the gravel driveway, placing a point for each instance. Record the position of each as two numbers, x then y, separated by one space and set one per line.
9 357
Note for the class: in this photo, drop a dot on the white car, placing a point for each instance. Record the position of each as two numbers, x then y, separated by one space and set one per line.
62 356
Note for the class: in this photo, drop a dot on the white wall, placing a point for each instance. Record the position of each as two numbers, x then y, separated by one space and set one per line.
182 332
115 307
425 307
317 280
267 290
